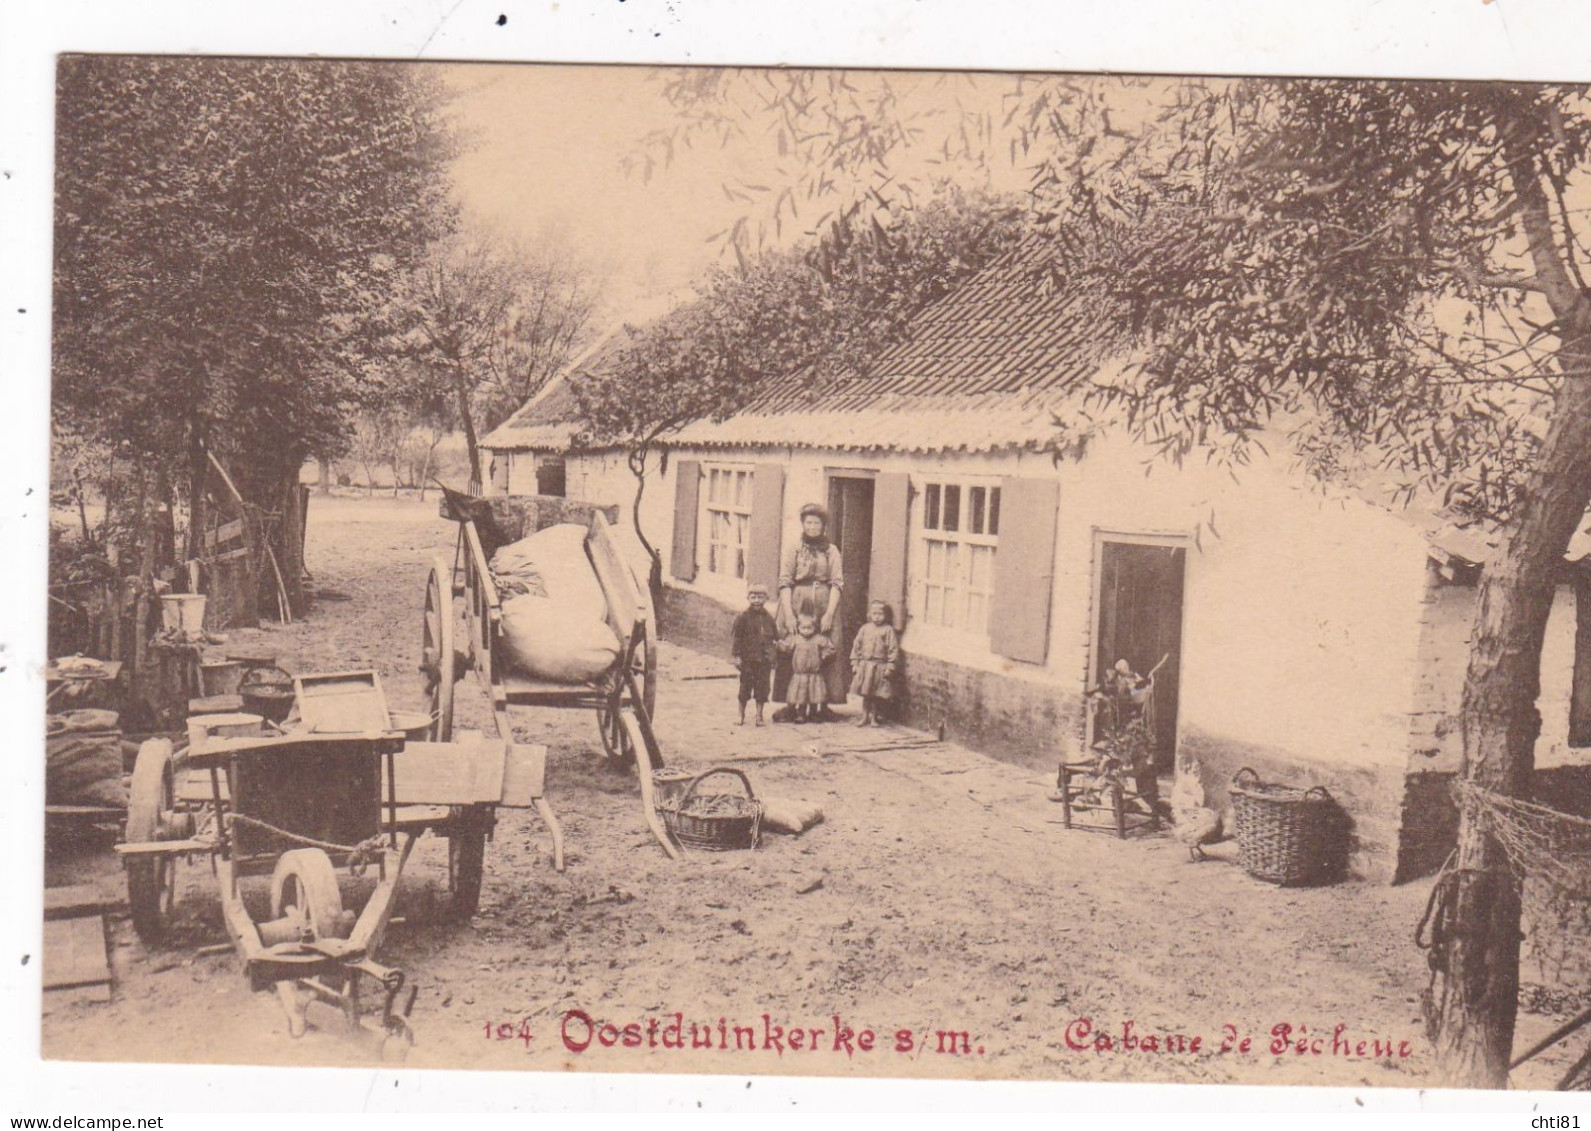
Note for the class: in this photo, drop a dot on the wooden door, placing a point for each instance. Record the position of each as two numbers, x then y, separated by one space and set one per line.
1140 621
851 529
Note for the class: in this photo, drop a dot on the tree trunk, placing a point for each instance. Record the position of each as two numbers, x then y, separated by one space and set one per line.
198 471
467 418
1478 1001
289 544
654 574
325 476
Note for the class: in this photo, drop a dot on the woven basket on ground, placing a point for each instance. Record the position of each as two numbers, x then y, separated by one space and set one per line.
1285 835
717 822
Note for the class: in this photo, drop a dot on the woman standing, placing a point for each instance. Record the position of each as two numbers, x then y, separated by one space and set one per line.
809 585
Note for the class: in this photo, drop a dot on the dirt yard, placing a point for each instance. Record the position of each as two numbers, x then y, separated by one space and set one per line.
941 894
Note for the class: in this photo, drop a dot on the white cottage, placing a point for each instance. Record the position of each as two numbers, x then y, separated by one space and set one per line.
1315 636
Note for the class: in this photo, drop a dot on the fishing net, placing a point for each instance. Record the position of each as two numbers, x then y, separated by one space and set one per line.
1543 844
1549 852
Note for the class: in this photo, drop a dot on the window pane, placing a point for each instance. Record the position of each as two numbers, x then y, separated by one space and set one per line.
975 503
994 511
742 487
979 559
952 512
931 507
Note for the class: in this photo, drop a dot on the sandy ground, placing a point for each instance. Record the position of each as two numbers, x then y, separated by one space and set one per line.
940 894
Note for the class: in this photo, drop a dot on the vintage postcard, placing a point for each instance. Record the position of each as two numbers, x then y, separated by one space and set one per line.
813 572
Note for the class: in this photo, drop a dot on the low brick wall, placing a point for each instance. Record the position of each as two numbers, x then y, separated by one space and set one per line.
696 622
1018 721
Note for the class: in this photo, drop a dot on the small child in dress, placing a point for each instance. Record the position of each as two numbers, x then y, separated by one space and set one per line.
755 637
873 660
809 649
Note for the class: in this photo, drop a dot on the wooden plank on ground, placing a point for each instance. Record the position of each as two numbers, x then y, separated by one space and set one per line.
73 901
74 953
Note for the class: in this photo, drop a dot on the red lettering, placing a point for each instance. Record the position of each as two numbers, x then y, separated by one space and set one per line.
632 1035
569 1042
1404 1051
1077 1034
773 1035
677 1028
864 1040
798 1038
608 1034
843 1037
904 1042
1281 1037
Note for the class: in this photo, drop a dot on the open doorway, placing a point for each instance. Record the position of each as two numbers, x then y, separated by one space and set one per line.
851 527
1139 620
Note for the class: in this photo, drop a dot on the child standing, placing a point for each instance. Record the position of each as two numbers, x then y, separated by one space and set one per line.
809 650
752 648
873 660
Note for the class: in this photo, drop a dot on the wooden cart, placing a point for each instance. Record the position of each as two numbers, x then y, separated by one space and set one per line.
623 700
297 807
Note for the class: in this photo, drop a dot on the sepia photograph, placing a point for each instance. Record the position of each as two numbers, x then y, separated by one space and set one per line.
969 574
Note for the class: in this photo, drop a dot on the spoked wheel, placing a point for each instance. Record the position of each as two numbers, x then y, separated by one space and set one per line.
151 880
304 890
466 860
436 654
615 735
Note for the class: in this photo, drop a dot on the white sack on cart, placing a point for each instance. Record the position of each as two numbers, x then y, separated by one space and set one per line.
556 625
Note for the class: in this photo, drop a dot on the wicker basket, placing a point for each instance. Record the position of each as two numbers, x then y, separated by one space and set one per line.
1285 835
669 784
717 822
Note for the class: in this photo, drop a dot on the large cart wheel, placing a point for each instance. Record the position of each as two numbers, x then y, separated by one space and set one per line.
436 653
151 880
466 862
304 889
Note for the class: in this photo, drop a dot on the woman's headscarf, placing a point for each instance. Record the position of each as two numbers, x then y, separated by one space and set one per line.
821 542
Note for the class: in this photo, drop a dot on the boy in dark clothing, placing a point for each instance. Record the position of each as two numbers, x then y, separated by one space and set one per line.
753 647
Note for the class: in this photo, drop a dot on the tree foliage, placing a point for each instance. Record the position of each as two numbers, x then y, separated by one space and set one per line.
808 314
227 235
486 323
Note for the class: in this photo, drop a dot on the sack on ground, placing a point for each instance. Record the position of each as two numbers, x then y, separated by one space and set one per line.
84 766
784 815
548 638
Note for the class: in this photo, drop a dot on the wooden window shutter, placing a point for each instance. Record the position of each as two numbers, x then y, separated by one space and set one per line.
687 493
1024 569
767 526
887 567
1580 687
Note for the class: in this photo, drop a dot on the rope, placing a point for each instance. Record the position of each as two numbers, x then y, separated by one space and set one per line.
360 855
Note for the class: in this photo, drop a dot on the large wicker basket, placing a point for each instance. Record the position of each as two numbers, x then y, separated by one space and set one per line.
716 822
1285 835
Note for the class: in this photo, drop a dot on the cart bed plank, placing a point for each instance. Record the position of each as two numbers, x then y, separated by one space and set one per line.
439 773
74 953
